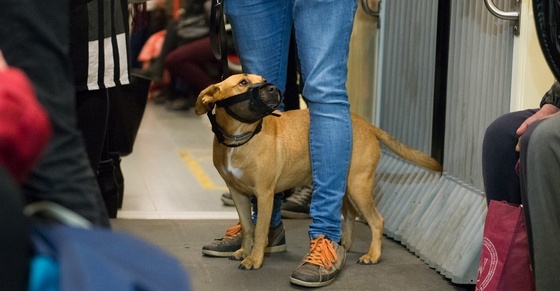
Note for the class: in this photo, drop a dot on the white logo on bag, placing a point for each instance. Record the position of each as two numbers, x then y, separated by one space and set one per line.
486 243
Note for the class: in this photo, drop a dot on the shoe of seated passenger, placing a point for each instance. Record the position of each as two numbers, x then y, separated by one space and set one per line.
227 199
321 265
298 203
231 242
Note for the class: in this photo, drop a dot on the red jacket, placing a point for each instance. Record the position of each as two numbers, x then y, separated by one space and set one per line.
24 125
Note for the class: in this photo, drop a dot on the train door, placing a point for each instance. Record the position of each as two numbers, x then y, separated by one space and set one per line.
447 69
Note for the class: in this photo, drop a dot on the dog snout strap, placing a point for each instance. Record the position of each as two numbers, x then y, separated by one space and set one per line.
253 108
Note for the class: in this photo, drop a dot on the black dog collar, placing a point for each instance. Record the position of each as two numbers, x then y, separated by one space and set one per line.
236 139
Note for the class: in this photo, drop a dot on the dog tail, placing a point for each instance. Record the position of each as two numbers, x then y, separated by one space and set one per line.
410 154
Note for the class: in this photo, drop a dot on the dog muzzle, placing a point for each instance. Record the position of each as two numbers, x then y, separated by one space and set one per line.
259 101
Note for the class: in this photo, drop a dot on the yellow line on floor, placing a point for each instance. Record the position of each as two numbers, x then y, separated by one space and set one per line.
198 172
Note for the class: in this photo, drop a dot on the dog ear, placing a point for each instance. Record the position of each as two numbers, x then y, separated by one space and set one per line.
205 99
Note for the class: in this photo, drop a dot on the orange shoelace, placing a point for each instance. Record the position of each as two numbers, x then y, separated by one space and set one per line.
321 253
233 231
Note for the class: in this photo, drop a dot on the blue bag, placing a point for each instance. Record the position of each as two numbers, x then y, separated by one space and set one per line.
100 259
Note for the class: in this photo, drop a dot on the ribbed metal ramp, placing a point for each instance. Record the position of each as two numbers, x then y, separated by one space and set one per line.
435 216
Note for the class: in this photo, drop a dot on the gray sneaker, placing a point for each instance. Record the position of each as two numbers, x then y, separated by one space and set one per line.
297 204
321 265
227 199
231 242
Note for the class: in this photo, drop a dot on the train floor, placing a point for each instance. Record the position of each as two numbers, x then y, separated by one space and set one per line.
172 199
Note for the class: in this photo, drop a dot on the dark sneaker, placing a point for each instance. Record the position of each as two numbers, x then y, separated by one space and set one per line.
227 200
231 242
297 204
276 239
227 245
321 265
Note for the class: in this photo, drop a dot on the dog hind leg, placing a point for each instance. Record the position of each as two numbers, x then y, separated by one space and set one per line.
349 213
361 194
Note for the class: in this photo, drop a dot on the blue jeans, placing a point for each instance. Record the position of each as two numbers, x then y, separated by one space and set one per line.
261 30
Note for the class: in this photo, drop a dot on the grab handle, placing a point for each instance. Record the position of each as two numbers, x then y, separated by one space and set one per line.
505 15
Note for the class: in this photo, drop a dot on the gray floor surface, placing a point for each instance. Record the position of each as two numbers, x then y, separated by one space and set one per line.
398 269
172 199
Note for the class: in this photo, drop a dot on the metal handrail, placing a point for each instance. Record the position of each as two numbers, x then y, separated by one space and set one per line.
506 15
368 10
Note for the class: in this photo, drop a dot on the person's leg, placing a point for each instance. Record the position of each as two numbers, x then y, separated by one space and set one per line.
138 37
522 173
108 183
156 69
158 20
292 91
499 158
187 62
15 243
323 30
542 201
295 203
34 38
276 206
171 40
187 65
261 31
92 109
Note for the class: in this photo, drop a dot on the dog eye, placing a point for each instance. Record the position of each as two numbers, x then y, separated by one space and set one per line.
243 83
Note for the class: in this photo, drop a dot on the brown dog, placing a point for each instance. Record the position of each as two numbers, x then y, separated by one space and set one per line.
277 158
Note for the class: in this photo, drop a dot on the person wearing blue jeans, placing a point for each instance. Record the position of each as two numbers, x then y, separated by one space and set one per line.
261 31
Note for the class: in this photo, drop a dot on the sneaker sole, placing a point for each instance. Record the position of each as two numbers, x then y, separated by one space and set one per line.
217 254
275 249
310 284
267 250
292 214
228 202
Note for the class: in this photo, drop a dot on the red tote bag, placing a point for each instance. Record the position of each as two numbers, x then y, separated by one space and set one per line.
505 264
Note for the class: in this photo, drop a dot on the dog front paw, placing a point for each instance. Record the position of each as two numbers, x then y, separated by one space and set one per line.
368 259
250 263
237 255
